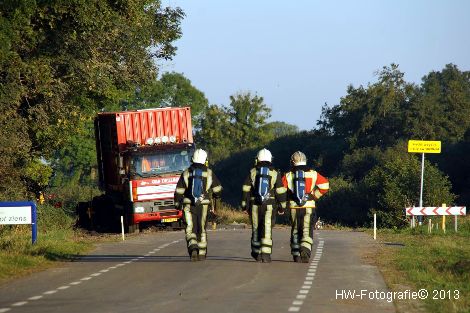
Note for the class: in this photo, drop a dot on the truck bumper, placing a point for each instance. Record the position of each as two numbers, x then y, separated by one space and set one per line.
158 216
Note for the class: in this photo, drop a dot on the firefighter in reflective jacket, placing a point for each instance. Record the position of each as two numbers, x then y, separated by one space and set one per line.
263 193
304 187
194 190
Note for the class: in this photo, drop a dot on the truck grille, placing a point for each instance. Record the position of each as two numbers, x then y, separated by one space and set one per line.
164 202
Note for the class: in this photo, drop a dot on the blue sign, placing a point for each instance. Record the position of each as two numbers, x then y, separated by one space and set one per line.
20 212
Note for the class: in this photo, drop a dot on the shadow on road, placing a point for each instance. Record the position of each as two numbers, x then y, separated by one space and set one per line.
163 258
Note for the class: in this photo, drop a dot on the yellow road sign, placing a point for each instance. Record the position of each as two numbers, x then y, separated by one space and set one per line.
423 146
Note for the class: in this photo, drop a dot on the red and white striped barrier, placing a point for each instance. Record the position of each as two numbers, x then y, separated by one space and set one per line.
451 210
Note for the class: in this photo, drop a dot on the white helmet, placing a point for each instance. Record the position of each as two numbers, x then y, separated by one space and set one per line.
199 156
264 155
298 158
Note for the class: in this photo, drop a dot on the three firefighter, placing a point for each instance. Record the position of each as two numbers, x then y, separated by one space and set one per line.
195 189
265 193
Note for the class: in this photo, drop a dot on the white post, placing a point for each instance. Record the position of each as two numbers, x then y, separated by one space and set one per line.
429 226
375 226
421 187
122 227
455 223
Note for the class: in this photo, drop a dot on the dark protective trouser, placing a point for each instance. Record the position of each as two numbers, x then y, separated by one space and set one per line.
195 218
302 231
263 218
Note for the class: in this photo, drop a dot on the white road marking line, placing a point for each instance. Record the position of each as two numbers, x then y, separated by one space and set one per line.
35 298
50 292
309 277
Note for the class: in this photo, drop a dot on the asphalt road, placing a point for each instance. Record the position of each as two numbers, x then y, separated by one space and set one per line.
152 273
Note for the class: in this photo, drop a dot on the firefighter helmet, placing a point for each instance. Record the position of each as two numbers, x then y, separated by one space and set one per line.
199 156
298 158
264 155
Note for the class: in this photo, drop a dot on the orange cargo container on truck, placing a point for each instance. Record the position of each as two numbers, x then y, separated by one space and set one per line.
141 155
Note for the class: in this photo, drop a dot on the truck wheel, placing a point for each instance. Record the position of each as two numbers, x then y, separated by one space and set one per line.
177 225
132 228
83 215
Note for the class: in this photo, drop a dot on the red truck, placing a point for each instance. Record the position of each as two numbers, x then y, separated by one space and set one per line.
141 155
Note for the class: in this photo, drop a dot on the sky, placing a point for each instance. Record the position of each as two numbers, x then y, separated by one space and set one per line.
299 55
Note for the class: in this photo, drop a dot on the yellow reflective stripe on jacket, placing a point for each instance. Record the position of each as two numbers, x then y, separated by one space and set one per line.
317 194
324 186
186 177
208 174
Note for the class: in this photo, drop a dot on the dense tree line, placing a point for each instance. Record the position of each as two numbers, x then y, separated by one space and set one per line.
61 62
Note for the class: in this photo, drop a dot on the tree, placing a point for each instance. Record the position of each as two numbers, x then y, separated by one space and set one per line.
372 116
215 133
441 112
62 61
172 89
248 114
281 129
238 127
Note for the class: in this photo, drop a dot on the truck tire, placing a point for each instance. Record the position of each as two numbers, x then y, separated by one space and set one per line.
83 216
132 228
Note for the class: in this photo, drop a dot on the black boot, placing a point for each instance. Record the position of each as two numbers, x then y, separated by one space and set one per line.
201 257
193 255
256 256
265 258
304 256
297 259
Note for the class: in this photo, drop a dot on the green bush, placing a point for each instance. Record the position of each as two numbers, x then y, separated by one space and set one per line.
395 184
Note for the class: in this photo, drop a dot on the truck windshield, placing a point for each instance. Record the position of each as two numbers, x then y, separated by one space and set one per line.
162 162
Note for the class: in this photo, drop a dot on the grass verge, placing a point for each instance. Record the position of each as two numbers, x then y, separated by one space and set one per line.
57 241
229 215
412 259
